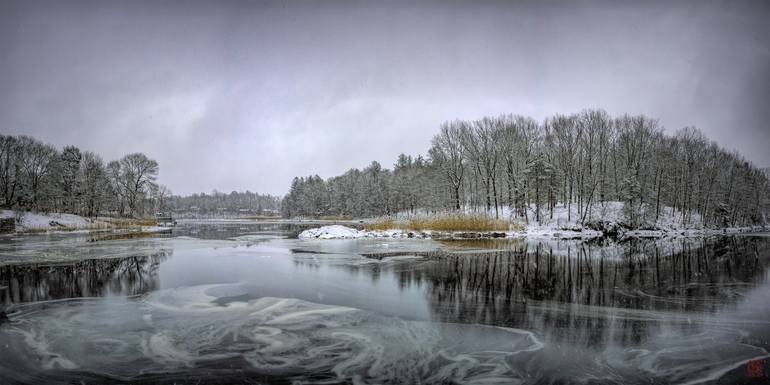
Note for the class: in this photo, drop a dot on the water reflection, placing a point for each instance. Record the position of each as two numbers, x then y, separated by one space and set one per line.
87 278
657 312
696 277
593 295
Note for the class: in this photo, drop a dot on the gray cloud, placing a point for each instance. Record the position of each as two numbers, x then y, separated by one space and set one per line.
245 95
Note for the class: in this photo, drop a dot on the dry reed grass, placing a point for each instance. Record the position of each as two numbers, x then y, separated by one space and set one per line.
448 222
129 223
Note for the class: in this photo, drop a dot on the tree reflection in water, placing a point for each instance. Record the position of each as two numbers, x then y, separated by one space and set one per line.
581 292
87 278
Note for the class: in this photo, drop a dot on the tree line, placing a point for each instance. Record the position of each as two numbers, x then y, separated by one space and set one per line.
528 168
221 204
36 176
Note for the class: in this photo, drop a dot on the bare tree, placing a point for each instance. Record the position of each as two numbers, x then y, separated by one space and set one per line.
10 169
138 173
37 163
94 183
447 152
161 194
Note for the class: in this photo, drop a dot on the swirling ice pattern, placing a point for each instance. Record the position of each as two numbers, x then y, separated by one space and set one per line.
182 329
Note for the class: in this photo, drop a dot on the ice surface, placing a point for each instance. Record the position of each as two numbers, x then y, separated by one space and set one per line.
282 337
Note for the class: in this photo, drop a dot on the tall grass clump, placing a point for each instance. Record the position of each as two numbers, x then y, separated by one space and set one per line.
384 223
445 222
129 223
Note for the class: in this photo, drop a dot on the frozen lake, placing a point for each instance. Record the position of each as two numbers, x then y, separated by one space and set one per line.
246 302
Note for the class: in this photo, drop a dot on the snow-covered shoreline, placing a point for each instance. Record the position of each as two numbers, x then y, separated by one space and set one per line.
344 232
52 223
26 221
606 219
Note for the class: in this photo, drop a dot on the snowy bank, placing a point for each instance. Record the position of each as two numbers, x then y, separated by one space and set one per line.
29 222
532 232
607 218
343 232
609 214
51 221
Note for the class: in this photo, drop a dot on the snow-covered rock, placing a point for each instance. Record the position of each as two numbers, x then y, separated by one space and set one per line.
332 232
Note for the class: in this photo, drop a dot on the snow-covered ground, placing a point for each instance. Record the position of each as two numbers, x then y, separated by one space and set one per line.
559 224
612 215
343 232
33 222
536 233
51 221
568 217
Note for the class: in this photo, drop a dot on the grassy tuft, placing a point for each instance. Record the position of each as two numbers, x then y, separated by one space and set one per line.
447 222
92 226
382 224
128 223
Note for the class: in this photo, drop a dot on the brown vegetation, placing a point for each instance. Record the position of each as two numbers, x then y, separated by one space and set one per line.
127 223
450 222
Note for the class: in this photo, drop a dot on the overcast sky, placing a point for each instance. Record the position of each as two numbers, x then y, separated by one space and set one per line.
245 95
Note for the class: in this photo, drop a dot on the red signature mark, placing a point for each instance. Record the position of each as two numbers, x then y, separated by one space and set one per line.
755 368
